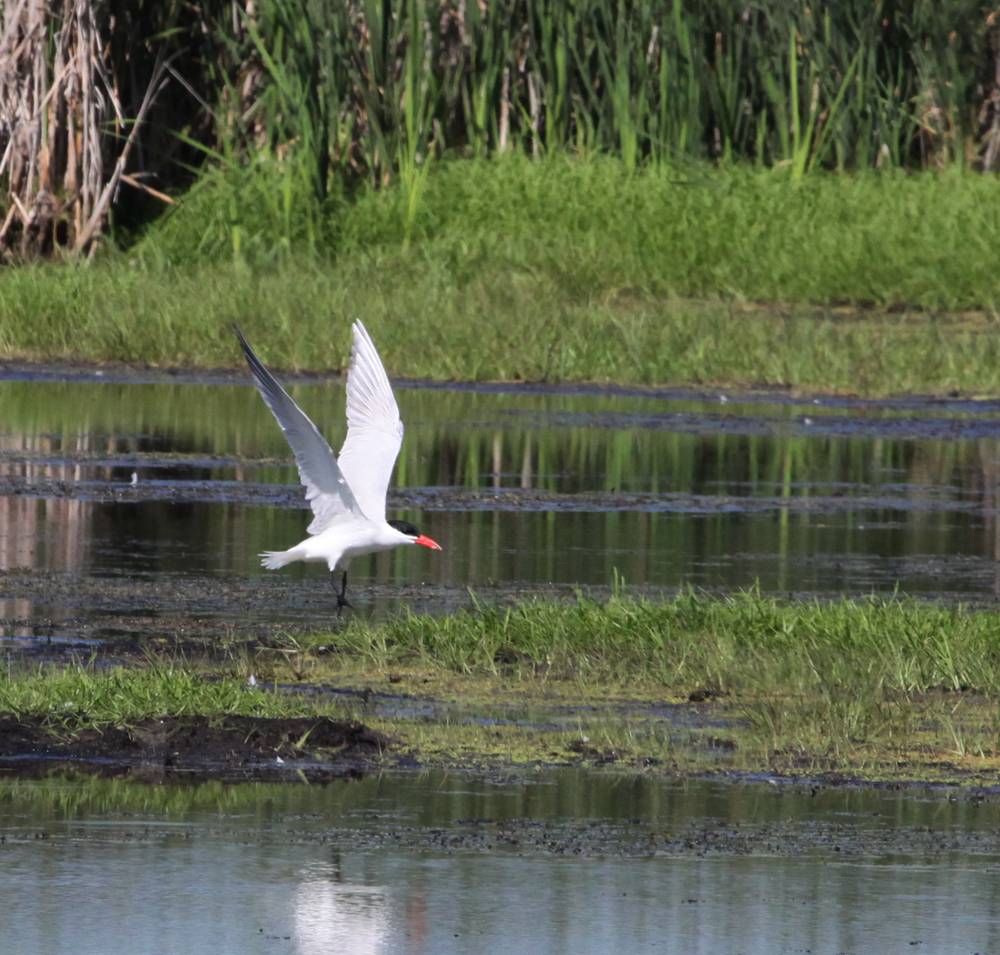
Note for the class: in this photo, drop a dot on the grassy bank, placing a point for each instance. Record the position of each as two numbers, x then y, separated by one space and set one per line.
886 690
555 270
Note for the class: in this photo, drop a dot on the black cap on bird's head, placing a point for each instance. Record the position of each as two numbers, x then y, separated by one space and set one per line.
405 527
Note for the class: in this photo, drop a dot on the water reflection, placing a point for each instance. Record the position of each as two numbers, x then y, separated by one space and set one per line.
824 499
333 915
438 905
396 865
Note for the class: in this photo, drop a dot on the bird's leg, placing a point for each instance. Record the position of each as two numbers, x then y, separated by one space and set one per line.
342 601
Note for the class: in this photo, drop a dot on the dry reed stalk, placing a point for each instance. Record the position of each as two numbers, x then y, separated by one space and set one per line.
88 234
991 103
57 104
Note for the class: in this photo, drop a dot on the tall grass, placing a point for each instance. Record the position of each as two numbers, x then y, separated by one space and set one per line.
371 91
849 84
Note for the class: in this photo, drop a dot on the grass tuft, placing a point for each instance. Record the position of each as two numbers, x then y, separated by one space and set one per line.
81 695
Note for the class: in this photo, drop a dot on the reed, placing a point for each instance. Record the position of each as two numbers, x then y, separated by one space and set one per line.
116 105
856 84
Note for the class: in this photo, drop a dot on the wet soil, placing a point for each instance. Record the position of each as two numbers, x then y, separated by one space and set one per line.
231 747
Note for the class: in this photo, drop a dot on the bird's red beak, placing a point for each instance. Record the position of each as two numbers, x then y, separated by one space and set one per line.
427 542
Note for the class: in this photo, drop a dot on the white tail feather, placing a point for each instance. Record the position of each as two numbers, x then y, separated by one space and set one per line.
273 559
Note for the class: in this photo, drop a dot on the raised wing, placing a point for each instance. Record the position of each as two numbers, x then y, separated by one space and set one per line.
327 491
374 431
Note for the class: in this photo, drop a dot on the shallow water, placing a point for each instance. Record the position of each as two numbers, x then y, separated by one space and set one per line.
557 861
130 507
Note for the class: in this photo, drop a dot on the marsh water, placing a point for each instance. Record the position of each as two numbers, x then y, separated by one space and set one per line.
553 862
132 506
137 504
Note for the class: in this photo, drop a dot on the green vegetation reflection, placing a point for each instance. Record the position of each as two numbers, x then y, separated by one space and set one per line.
826 497
559 443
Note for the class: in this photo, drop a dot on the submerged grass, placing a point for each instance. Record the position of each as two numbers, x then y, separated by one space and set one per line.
557 270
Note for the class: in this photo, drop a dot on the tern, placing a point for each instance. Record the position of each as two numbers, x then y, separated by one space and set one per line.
346 493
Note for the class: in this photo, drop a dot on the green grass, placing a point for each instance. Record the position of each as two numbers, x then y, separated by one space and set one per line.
81 695
743 644
880 688
887 689
556 270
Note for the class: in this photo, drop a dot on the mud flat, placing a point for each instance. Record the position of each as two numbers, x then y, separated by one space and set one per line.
197 747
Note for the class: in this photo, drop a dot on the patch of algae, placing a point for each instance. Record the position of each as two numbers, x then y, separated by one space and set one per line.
438 718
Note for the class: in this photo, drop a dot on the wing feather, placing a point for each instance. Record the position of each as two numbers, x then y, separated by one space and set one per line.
327 489
374 431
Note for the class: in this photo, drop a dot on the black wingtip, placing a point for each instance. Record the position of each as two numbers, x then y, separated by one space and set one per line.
252 359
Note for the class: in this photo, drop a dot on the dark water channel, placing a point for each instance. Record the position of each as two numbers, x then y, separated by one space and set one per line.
138 505
556 862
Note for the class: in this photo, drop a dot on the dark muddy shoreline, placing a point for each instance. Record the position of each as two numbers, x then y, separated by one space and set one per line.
196 747
187 750
319 749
